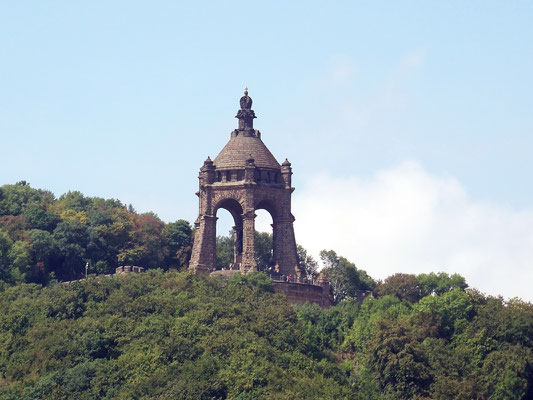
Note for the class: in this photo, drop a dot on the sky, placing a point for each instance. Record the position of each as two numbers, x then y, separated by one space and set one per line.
408 124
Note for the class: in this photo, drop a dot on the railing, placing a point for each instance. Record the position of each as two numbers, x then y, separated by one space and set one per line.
296 279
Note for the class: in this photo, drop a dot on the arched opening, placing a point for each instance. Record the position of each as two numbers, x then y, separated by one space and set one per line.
264 238
229 239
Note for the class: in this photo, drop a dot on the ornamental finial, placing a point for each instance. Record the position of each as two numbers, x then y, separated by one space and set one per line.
246 115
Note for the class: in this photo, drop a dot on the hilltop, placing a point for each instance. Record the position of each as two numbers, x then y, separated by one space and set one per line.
167 334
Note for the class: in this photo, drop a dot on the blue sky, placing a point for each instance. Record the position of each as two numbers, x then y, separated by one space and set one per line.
126 100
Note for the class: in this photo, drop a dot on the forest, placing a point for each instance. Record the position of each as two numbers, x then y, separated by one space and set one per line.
43 239
169 334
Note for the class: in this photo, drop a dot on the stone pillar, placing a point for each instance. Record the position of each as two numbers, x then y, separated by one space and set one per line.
248 230
204 255
285 246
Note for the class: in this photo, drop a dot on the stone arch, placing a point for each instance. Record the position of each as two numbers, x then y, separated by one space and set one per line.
270 206
232 206
278 244
263 240
235 209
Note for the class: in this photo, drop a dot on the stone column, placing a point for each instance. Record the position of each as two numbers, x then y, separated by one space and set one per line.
285 246
203 257
248 254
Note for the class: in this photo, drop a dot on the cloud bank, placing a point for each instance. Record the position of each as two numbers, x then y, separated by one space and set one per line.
404 219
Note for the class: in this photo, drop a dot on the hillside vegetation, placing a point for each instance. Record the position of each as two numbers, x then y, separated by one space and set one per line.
180 336
166 334
43 238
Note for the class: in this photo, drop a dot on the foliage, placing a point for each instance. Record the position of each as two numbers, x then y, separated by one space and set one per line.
167 335
43 238
344 277
160 335
225 250
264 256
306 263
412 288
403 286
440 283
456 345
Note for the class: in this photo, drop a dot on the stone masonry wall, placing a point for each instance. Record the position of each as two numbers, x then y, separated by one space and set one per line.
300 293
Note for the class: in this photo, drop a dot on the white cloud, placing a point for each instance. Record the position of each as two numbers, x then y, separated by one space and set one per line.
405 219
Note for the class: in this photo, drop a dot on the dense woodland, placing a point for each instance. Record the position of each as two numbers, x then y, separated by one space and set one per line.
167 334
43 238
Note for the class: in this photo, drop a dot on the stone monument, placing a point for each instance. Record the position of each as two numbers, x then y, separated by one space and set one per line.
245 177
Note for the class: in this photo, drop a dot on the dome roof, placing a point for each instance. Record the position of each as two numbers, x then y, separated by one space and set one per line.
241 148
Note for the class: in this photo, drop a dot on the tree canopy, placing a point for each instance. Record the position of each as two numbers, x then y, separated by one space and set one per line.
43 238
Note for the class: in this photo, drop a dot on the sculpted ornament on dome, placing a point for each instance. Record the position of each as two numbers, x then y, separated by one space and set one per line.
245 114
246 101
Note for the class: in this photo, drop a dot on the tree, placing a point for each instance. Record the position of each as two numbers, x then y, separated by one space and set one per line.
178 239
39 218
344 277
110 233
72 239
224 246
74 200
262 247
306 263
439 283
455 308
264 256
403 286
19 256
13 198
147 241
44 252
397 357
5 265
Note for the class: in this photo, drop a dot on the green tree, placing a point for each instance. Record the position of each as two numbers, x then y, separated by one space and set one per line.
507 373
110 233
440 283
454 308
13 198
74 200
19 256
5 264
344 277
306 263
39 218
44 252
398 358
403 286
224 246
71 238
178 238
264 256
